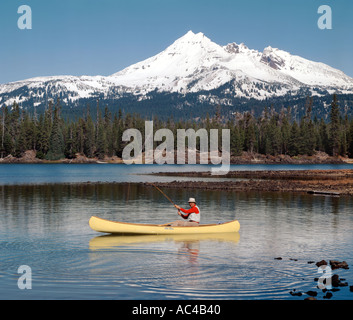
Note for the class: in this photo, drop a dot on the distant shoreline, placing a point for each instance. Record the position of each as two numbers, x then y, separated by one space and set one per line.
331 182
322 182
246 158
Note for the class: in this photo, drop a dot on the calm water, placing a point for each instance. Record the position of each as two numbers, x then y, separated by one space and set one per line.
46 228
72 173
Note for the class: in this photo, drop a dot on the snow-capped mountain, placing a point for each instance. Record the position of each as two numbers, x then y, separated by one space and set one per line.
192 64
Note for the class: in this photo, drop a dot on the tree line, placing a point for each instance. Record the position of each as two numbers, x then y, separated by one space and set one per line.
271 133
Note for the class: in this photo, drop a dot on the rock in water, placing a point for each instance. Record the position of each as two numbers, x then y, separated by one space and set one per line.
321 263
337 264
328 295
311 293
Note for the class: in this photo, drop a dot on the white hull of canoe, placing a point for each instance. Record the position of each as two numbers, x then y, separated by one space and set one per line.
115 227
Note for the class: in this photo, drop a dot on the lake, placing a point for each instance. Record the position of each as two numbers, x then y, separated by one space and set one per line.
44 225
77 173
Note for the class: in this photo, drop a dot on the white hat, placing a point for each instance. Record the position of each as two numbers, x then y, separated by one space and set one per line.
192 200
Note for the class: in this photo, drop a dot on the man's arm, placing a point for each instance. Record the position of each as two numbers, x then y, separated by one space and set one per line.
183 216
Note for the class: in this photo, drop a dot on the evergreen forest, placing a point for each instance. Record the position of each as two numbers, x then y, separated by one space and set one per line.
97 132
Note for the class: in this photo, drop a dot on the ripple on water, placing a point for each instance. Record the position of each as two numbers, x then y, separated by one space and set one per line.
53 238
174 272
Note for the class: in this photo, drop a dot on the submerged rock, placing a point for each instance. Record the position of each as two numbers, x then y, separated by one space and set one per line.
337 264
311 293
321 263
294 293
337 282
328 295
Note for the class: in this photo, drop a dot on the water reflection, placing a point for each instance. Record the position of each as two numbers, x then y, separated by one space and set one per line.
186 245
111 241
46 227
168 265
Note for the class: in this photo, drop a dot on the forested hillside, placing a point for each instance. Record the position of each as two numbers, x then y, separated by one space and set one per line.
97 132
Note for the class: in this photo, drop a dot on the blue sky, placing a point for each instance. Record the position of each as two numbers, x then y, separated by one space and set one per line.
86 37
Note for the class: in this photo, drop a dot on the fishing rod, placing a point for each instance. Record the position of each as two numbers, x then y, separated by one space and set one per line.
166 224
163 194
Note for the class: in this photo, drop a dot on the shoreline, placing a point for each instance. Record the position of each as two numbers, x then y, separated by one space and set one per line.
331 182
337 182
325 182
246 158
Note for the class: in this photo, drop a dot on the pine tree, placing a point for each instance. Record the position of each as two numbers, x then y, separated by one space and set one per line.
45 127
308 139
344 137
118 125
2 126
101 142
26 137
294 141
14 126
273 140
250 135
350 140
56 144
285 131
109 144
69 145
79 136
88 131
322 139
113 141
236 143
263 123
334 127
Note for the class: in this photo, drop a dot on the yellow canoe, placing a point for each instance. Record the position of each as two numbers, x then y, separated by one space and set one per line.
107 226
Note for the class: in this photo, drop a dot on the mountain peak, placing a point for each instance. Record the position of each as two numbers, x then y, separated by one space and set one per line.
236 48
269 48
273 58
193 38
194 63
191 35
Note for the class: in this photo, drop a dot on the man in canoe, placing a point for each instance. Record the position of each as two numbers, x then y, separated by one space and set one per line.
192 215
